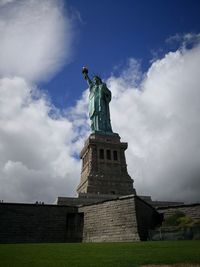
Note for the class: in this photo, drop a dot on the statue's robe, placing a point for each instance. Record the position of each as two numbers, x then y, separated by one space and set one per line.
99 113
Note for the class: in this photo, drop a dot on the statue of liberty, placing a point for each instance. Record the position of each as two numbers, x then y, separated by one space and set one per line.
99 99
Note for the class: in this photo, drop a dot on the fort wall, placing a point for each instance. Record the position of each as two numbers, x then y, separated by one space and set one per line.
118 220
126 218
190 210
147 218
22 223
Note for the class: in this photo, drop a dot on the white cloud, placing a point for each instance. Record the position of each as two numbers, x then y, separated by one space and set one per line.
162 126
36 149
35 38
185 40
4 2
36 142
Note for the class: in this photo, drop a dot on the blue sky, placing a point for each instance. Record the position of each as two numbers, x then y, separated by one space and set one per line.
148 53
107 33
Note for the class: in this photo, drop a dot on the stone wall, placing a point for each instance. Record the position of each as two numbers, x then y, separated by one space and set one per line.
21 223
126 218
83 199
190 210
118 220
147 218
110 221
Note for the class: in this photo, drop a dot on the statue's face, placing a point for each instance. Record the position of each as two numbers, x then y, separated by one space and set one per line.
96 80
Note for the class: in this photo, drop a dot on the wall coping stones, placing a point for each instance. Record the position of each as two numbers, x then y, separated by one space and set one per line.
179 206
35 204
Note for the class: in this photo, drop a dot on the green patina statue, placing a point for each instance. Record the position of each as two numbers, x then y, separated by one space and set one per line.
99 99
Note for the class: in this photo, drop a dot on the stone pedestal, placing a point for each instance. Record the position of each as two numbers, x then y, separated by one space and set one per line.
104 169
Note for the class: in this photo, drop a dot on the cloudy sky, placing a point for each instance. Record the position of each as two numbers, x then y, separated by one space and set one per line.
148 53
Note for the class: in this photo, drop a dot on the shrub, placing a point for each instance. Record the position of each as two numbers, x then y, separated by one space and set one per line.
185 222
173 220
180 220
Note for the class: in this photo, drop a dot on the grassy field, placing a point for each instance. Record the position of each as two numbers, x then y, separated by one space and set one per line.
99 254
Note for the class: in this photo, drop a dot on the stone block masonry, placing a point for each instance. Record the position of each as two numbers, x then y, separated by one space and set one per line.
147 218
126 218
22 223
190 210
104 168
118 220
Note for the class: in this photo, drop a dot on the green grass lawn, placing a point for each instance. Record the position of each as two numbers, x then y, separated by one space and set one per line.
99 254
